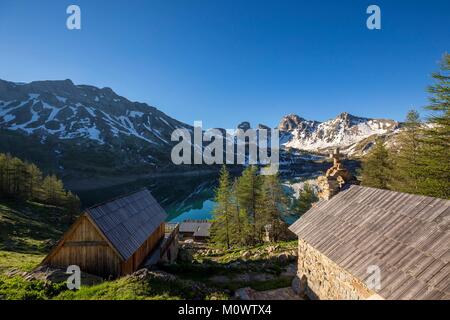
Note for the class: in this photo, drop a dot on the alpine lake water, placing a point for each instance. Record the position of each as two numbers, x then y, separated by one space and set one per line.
183 197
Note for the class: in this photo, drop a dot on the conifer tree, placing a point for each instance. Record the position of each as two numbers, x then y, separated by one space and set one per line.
247 190
377 167
23 181
221 230
407 165
271 205
306 199
435 176
242 221
35 179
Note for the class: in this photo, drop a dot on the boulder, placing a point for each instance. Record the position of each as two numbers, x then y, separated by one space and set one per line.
299 286
244 294
57 275
185 255
246 255
283 258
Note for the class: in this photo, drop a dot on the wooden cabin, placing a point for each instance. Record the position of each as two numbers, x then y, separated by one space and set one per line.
113 238
198 230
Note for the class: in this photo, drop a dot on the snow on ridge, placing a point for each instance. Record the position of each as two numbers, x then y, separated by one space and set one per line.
339 132
33 96
61 99
95 125
164 120
90 110
135 114
53 113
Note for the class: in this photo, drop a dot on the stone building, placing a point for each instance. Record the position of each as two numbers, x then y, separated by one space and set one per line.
367 243
335 178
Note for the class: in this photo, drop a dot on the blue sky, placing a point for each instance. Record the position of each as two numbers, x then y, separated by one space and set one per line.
224 62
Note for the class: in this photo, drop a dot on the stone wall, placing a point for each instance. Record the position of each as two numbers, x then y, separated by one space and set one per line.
321 278
170 253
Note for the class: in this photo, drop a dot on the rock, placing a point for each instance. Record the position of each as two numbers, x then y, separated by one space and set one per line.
56 275
262 277
185 255
257 256
243 277
246 255
298 286
283 258
219 279
143 274
290 271
271 249
244 293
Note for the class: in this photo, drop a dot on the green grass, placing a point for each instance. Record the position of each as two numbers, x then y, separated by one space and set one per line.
20 261
27 231
229 263
30 227
232 255
126 288
281 282
129 288
121 289
17 288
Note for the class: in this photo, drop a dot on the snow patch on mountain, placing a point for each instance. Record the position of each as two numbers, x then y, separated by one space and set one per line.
345 131
66 111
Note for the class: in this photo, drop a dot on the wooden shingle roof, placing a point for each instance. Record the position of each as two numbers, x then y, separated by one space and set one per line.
406 235
127 222
198 228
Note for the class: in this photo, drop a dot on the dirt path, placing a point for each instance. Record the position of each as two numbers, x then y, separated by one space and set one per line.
277 294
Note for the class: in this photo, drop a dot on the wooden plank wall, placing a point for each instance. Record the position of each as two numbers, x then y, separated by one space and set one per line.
86 248
134 262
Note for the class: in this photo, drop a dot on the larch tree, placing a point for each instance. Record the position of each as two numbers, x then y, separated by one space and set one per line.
435 177
271 205
222 228
407 165
247 190
377 167
306 199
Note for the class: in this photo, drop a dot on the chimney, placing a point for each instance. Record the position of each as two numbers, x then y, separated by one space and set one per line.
335 178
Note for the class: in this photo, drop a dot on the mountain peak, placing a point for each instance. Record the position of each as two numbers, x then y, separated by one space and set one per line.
62 110
291 122
343 131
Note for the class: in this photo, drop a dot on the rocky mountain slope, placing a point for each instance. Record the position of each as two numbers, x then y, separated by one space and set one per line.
83 128
353 135
82 132
81 113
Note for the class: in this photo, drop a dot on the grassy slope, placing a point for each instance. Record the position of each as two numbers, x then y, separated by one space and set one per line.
229 263
28 230
30 227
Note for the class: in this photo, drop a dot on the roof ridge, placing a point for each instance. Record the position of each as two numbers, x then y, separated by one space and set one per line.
117 198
